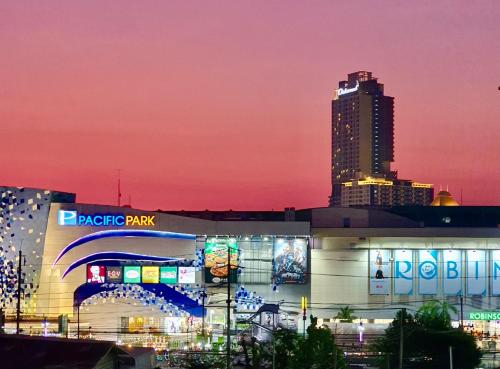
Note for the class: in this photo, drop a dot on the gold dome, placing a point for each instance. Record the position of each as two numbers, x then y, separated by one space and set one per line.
443 198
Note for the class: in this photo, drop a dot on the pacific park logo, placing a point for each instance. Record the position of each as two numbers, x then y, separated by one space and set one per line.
73 218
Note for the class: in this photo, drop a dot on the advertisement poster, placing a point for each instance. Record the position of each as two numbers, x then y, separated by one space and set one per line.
452 272
427 272
150 274
132 274
476 272
290 260
495 272
187 275
216 259
114 274
380 281
95 274
168 275
403 272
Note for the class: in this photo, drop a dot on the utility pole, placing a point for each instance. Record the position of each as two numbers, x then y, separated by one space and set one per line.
451 357
461 312
19 274
403 314
228 338
203 322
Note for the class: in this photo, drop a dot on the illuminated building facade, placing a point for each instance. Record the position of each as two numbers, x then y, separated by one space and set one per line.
371 191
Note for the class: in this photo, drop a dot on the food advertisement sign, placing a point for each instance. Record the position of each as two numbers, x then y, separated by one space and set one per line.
187 275
150 274
290 260
95 274
132 274
168 275
216 260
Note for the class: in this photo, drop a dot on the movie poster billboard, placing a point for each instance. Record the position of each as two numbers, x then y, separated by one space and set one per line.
427 272
95 274
476 272
290 260
168 275
216 260
403 272
114 274
495 272
452 272
380 281
150 274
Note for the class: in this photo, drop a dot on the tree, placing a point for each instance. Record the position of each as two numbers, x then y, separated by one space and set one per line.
427 338
346 315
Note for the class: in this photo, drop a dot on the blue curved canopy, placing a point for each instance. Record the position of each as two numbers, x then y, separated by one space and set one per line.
122 233
170 295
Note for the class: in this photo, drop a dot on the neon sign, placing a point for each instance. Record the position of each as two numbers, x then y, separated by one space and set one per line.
73 218
343 91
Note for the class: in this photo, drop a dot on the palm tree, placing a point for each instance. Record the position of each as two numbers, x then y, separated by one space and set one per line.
436 314
346 315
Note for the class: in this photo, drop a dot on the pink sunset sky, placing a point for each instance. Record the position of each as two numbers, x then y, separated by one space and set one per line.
226 104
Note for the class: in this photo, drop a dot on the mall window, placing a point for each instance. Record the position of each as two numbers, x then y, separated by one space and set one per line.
256 261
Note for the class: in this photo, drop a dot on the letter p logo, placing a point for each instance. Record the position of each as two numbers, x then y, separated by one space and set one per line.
66 217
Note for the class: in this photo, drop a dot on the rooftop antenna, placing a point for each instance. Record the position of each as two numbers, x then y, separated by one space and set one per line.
119 194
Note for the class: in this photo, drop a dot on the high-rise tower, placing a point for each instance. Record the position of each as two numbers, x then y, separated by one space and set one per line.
363 148
362 132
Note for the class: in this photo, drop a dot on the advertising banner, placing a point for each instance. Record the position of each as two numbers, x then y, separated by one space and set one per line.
403 272
452 272
476 272
290 260
168 275
379 272
114 274
187 275
132 274
95 274
216 260
150 274
427 272
495 272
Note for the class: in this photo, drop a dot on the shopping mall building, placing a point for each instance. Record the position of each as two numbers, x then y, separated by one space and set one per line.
128 274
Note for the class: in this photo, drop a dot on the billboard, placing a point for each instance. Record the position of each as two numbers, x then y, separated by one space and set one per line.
476 272
114 274
452 272
132 274
150 274
403 272
216 260
95 274
427 272
168 275
290 260
187 275
380 272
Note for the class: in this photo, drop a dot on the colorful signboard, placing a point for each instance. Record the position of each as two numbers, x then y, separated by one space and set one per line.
131 274
150 274
95 274
379 272
73 218
187 275
290 260
476 272
216 260
452 272
114 274
403 272
427 272
168 274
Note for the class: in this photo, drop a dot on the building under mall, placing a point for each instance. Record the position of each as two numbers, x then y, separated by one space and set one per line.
141 276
